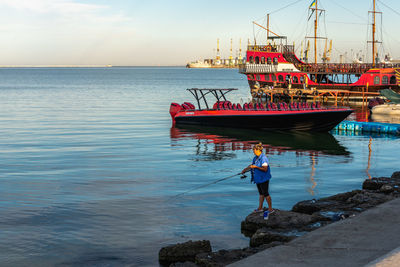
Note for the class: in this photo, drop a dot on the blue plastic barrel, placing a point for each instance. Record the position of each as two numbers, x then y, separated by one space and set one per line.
350 126
357 127
341 126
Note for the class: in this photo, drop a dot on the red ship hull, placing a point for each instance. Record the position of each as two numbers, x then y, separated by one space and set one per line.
320 120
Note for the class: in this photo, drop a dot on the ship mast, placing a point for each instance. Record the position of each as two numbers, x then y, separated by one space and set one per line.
374 41
315 31
373 38
267 27
314 9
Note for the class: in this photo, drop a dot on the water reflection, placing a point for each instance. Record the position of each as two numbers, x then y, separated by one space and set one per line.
369 158
312 174
361 134
213 144
217 143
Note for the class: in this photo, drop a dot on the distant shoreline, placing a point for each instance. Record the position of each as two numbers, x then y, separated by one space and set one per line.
84 66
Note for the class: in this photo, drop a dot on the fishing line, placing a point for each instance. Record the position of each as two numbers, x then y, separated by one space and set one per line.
205 185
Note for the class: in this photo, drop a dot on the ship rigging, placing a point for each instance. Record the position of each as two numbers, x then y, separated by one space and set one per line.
276 65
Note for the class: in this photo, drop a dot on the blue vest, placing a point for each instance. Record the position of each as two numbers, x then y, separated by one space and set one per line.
258 176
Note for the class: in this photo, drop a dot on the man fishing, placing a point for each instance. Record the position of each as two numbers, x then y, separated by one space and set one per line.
260 175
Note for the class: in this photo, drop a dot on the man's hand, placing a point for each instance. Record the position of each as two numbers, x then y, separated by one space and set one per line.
246 169
253 166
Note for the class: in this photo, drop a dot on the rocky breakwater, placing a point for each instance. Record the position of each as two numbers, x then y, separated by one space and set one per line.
284 226
183 252
281 226
308 215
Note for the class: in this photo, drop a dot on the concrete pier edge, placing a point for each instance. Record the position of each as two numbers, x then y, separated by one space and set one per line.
368 238
390 259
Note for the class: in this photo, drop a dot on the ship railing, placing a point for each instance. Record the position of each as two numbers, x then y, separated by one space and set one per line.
257 68
265 48
350 68
337 68
280 48
353 68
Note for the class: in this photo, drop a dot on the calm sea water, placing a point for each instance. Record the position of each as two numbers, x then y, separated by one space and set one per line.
89 166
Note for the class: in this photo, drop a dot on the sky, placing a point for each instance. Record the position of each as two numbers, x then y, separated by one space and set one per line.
174 32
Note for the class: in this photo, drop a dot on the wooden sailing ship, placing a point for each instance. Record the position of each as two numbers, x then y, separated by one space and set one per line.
275 65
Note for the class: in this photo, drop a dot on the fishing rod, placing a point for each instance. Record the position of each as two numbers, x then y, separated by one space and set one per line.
214 182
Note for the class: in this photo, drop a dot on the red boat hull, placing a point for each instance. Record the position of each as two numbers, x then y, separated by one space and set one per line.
321 120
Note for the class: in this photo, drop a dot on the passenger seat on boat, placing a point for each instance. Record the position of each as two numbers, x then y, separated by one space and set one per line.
191 106
239 107
227 105
185 106
218 105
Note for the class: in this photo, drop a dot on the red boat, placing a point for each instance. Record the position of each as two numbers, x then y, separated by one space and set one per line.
272 116
276 65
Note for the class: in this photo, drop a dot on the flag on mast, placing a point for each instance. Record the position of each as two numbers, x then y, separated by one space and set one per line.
312 4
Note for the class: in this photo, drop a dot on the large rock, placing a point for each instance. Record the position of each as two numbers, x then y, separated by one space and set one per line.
183 252
225 257
346 204
279 220
312 206
336 202
266 236
365 200
386 189
396 175
377 183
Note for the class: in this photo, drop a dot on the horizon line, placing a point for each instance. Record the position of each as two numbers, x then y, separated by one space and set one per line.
84 66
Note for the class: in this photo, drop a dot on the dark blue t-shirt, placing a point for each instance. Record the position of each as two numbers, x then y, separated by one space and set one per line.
258 176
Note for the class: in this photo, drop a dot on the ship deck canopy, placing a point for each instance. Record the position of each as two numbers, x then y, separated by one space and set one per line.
201 93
